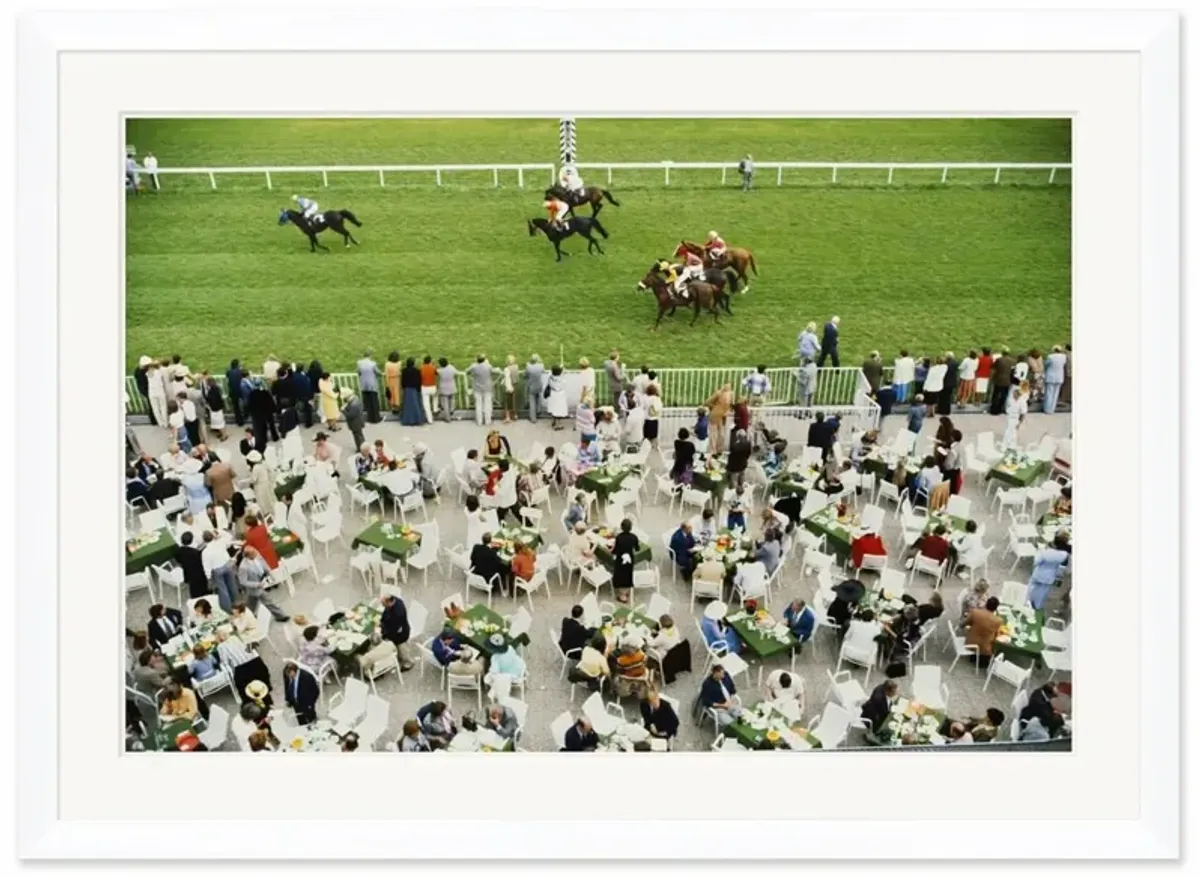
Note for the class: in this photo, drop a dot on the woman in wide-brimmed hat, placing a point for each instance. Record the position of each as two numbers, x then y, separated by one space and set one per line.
717 630
263 482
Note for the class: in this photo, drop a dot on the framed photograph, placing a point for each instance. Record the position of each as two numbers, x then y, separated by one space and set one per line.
715 397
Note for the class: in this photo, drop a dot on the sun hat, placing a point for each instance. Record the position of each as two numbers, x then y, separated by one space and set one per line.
257 689
254 457
144 361
420 448
497 641
715 610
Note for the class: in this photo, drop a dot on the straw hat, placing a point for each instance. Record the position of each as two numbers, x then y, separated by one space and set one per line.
257 690
254 457
716 610
144 361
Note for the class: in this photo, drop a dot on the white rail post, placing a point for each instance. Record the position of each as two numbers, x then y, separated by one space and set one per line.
212 179
325 179
269 186
779 176
438 175
834 174
997 179
496 177
945 173
610 175
891 170
520 178
667 168
381 182
1052 170
723 176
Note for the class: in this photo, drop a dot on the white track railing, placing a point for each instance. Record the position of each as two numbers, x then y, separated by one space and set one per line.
996 167
380 171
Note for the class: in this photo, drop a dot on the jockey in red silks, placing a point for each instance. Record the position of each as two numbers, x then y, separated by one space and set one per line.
715 247
693 268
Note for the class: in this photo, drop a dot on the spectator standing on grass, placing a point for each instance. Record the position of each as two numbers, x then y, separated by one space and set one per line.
482 374
429 388
829 343
368 386
150 163
807 344
1002 378
904 371
872 369
446 387
1056 369
535 384
616 374
965 391
746 169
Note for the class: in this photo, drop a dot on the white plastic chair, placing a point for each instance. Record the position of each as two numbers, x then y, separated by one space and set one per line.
845 689
215 735
322 611
169 576
460 559
832 726
537 582
1019 550
559 728
928 688
602 720
893 582
1013 594
455 682
986 450
958 506
140 581
476 582
372 727
872 518
426 554
1008 672
347 706
961 649
363 496
928 566
862 654
154 519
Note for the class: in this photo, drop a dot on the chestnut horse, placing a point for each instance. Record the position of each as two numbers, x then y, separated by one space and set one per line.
736 258
703 295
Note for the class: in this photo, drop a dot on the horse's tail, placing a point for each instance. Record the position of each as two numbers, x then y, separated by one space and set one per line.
599 227
608 195
753 264
346 214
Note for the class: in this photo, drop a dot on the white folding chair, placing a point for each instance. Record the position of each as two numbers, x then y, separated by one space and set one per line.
537 582
375 723
893 582
559 728
168 576
1008 672
1013 594
928 688
961 649
928 566
456 682
140 581
363 496
215 735
347 706
958 506
832 726
476 582
845 689
154 519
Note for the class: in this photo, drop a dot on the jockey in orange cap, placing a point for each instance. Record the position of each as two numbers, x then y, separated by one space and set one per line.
557 209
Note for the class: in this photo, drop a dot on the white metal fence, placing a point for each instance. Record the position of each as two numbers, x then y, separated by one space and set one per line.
379 171
1049 169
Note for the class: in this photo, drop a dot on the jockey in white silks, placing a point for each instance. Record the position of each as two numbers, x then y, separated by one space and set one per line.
570 180
558 212
693 268
715 247
309 207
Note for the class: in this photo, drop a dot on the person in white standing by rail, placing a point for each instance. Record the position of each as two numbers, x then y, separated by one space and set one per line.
1056 373
151 164
1015 411
156 390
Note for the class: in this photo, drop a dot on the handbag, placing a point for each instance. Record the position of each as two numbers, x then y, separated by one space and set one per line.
546 392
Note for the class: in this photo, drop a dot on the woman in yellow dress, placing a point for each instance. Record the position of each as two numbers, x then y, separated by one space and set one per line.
329 401
391 379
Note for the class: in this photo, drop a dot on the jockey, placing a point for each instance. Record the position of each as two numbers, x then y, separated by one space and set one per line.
307 205
715 247
570 179
558 212
668 271
693 267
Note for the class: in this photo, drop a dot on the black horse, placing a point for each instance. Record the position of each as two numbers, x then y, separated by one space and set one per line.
330 219
715 277
593 195
580 225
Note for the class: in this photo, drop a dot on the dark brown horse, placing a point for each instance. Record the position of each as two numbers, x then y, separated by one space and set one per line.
593 195
702 295
736 258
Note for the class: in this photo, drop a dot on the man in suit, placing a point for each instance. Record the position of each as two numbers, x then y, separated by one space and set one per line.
878 706
658 717
829 343
352 410
285 399
574 634
682 543
137 488
717 693
1002 375
486 562
394 627
872 369
502 720
302 388
580 737
233 378
535 377
187 555
164 625
219 479
301 691
800 620
261 405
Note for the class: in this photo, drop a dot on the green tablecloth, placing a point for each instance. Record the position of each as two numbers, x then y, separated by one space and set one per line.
792 483
885 609
727 556
365 622
163 738
291 485
753 738
157 552
602 482
522 535
372 480
1027 653
910 718
761 643
711 482
286 542
950 522
837 535
478 639
625 613
394 546
642 555
1026 472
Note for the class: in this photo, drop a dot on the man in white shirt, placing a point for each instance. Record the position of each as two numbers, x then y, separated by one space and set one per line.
271 368
218 566
704 526
473 469
904 370
781 685
1015 411
150 163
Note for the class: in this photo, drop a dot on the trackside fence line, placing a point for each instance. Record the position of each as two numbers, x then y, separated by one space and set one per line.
833 167
380 171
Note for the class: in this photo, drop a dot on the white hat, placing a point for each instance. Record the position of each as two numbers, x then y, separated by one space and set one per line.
144 361
254 457
713 234
420 448
346 392
716 610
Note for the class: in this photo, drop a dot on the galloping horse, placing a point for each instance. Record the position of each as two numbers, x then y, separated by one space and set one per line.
593 195
736 258
330 219
580 225
704 295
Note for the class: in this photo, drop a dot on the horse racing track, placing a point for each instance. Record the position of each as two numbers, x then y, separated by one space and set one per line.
454 271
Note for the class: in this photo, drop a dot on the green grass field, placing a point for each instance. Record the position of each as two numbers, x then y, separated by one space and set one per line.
453 271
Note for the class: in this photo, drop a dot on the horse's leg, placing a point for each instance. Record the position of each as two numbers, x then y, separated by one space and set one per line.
597 205
558 250
695 311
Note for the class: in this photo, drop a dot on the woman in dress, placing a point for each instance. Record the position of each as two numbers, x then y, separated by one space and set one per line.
178 427
263 483
556 397
194 486
585 420
329 402
412 413
509 377
685 458
625 546
587 379
391 380
718 405
653 406
156 391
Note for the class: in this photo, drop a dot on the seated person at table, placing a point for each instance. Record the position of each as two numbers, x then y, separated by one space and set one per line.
630 667
774 460
301 692
717 693
473 470
982 628
608 432
921 485
736 519
580 737
685 457
528 482
576 511
769 551
966 549
412 739
244 623
502 720
523 563
580 551
364 461
204 665
437 724
487 563
593 664
934 546
981 730
550 468
147 468
506 660
658 716
904 632
801 621
931 608
380 454
394 627
717 630
704 526
666 637
149 674
840 612
864 628
589 453
314 652
137 488
179 703
682 543
828 481
164 624
202 613
878 707
710 570
861 446
176 457
259 538
496 445
974 597
456 658
574 635
781 685
322 452
1041 707
868 542
1062 505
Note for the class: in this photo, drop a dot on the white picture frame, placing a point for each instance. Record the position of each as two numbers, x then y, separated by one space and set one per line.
69 291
